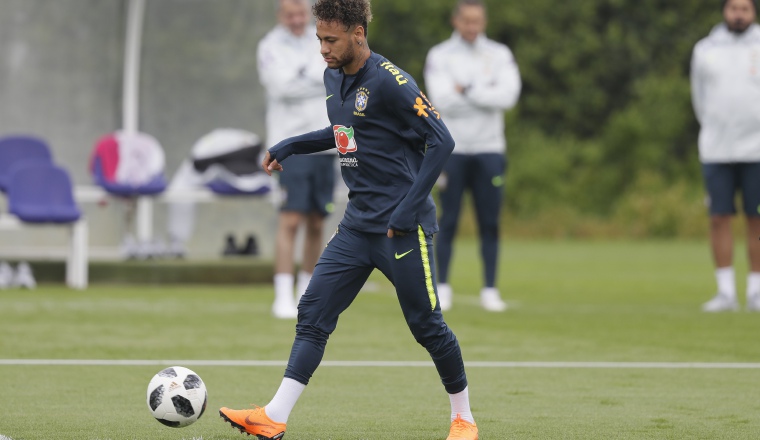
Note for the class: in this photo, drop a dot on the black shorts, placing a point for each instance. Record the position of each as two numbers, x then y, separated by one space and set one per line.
307 183
722 181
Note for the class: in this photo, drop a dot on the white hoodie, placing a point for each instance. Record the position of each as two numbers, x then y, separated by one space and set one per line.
488 71
291 69
725 88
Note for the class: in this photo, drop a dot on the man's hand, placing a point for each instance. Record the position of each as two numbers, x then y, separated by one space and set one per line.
391 233
269 164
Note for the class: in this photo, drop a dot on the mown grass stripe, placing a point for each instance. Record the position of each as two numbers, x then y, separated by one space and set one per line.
385 364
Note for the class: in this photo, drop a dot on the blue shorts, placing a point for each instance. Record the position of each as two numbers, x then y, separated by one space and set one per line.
307 183
722 180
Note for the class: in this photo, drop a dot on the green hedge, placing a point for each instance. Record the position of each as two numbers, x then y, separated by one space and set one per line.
604 136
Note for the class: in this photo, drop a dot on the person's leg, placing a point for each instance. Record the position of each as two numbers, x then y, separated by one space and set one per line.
341 272
321 187
721 240
312 248
721 183
487 192
312 241
451 185
413 275
284 306
753 243
294 189
180 219
751 202
753 278
338 276
285 238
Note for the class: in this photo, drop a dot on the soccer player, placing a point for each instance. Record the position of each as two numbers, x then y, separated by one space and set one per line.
393 145
725 84
291 70
472 80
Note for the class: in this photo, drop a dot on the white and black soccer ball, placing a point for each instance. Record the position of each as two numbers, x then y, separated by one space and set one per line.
177 396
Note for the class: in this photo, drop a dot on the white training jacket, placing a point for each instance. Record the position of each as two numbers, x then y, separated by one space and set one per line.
291 69
725 89
488 71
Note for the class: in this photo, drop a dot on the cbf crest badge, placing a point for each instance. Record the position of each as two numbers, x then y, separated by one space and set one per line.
362 98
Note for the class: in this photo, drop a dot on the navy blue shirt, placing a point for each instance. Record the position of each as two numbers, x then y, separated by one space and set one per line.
392 145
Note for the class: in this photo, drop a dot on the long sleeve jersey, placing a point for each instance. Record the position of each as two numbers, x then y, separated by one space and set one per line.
392 145
489 74
725 88
290 69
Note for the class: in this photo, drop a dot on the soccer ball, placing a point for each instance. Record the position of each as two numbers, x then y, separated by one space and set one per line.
177 397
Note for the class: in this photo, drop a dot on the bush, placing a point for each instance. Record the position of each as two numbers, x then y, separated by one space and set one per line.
603 140
655 208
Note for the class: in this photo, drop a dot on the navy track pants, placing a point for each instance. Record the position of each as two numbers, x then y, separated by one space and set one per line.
342 270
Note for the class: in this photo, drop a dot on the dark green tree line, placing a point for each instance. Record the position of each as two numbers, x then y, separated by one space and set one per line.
604 124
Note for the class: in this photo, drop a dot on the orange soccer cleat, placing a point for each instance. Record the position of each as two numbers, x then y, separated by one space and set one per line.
462 430
256 422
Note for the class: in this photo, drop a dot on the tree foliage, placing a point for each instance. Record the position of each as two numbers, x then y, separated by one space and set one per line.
605 100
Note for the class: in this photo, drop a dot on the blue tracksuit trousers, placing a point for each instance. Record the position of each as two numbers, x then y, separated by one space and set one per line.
343 268
483 175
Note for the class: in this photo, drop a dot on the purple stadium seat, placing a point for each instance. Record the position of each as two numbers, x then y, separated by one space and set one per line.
20 148
156 185
128 164
224 188
41 192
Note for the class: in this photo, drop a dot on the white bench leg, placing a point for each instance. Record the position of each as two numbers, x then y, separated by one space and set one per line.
77 261
144 219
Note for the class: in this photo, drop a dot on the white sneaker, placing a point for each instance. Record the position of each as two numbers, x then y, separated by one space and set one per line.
6 275
491 300
24 276
720 303
753 302
445 296
284 310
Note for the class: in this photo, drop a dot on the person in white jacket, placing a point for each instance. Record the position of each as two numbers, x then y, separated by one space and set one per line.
725 84
291 70
473 80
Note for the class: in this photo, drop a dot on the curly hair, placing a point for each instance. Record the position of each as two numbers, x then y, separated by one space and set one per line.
346 12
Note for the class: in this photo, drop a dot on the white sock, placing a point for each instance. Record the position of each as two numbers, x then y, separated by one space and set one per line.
303 283
283 287
492 291
726 281
460 404
444 289
753 284
284 400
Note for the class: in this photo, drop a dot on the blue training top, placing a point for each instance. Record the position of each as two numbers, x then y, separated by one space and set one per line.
392 145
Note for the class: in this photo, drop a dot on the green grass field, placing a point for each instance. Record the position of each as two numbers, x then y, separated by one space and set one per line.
572 304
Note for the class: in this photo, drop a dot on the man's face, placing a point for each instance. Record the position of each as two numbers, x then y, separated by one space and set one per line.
337 44
739 15
294 15
470 21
